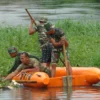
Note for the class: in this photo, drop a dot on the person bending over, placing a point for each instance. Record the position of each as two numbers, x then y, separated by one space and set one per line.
13 52
27 65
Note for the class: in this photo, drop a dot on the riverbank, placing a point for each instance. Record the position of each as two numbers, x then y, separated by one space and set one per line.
83 37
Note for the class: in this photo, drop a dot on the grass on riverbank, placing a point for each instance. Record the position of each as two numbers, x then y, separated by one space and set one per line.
83 37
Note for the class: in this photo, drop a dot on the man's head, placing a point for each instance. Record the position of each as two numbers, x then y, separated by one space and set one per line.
12 51
43 19
24 57
50 28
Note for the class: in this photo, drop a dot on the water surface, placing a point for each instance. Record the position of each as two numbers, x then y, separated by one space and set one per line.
76 93
13 11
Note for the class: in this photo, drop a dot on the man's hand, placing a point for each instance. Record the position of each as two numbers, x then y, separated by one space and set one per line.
63 41
32 21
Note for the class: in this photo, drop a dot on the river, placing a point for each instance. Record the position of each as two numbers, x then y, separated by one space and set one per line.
13 11
76 93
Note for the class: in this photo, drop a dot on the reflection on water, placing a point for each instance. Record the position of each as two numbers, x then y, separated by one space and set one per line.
76 93
12 11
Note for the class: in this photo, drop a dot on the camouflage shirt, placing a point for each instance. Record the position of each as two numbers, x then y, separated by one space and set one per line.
43 37
32 64
57 37
17 62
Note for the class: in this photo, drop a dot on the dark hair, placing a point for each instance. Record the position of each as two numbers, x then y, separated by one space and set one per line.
25 53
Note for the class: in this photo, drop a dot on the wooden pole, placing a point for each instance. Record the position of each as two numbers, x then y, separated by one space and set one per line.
31 16
69 78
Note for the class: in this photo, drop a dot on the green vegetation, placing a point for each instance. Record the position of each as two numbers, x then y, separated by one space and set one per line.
84 42
83 37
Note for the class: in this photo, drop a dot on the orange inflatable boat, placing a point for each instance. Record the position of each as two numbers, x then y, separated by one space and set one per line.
81 76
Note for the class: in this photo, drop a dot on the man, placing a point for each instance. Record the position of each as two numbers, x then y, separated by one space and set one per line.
26 65
43 39
13 52
57 38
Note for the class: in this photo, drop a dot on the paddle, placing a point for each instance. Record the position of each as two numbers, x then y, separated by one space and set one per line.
62 61
69 81
31 16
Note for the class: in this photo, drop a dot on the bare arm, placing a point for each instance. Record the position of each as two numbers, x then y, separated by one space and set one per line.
60 43
56 44
10 76
31 70
31 30
64 41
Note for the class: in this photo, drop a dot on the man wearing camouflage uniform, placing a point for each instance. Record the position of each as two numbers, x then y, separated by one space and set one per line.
57 38
28 64
43 39
13 52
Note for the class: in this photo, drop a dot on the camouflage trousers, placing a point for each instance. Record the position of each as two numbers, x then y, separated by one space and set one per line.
46 70
55 55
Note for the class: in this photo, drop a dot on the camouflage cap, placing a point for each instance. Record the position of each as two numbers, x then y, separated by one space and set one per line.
49 26
43 19
12 50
